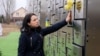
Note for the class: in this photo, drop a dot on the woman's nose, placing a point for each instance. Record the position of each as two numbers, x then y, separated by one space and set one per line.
37 21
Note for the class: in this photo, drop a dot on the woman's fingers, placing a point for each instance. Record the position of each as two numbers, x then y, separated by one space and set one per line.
69 16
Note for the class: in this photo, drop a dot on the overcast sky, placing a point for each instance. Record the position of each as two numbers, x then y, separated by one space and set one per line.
20 3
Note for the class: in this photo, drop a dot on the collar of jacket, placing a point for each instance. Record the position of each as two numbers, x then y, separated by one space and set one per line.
35 29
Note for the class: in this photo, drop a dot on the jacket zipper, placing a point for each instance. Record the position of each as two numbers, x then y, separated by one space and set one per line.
31 41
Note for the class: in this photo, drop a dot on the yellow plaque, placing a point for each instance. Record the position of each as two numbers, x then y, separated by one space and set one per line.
79 5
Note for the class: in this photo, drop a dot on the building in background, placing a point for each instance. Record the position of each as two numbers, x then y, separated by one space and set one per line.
19 14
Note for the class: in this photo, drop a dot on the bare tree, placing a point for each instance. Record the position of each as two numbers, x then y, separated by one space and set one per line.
0 6
30 5
8 7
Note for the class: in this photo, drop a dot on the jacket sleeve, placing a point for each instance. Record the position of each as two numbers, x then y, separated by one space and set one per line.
22 45
54 27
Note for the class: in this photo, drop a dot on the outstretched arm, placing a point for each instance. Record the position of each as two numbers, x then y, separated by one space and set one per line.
53 28
56 26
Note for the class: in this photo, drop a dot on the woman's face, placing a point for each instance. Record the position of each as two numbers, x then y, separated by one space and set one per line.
34 22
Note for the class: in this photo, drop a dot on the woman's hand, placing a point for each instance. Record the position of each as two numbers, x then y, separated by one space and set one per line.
69 17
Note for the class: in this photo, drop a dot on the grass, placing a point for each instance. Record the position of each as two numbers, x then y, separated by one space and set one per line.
9 44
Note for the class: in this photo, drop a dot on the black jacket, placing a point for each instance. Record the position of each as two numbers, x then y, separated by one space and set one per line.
32 45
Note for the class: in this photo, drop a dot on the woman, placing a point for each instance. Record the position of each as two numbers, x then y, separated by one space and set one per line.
32 35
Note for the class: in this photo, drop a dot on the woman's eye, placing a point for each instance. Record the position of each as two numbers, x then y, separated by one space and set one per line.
34 20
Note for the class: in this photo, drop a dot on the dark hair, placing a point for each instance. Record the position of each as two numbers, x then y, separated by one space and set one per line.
25 27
